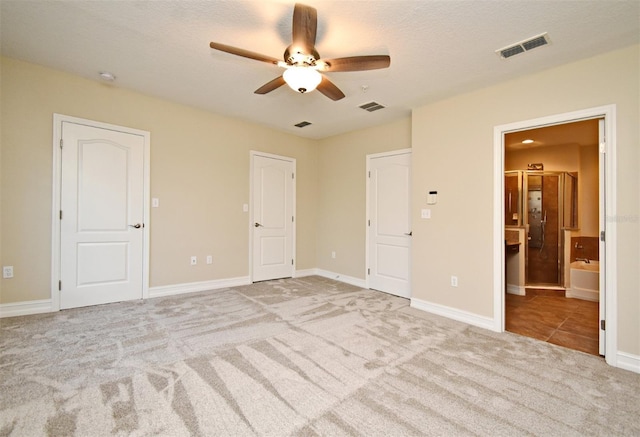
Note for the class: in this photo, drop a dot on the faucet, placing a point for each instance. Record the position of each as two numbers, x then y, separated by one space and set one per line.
586 260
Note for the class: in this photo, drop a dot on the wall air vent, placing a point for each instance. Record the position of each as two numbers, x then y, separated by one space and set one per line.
371 106
302 124
524 46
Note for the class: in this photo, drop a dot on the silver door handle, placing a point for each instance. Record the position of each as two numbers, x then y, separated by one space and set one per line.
257 225
137 226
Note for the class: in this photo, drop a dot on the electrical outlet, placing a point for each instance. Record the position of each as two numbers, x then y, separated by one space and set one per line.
194 260
7 272
209 259
333 255
454 281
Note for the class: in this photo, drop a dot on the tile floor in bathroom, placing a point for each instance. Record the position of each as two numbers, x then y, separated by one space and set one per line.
549 316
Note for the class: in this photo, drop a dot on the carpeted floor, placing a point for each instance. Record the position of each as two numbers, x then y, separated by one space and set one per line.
307 356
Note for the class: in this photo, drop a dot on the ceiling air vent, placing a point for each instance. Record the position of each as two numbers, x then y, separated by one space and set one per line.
302 124
524 46
371 106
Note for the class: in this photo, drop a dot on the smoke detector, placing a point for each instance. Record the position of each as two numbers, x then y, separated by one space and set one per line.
107 76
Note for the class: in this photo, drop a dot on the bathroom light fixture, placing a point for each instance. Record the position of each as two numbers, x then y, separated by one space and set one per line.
527 141
302 79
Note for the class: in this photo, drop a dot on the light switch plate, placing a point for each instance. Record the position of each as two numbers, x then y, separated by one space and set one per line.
7 272
155 202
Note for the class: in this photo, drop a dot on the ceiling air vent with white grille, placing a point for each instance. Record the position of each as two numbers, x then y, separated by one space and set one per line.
302 124
524 46
371 106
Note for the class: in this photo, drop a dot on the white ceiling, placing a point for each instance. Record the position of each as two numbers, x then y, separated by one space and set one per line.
437 48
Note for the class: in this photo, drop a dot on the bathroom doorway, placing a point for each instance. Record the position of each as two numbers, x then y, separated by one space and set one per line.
553 217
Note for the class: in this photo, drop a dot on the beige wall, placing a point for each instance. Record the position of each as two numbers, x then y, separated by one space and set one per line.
199 171
588 191
342 196
554 158
453 153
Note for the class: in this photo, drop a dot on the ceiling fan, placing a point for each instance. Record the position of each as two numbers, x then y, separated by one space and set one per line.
302 62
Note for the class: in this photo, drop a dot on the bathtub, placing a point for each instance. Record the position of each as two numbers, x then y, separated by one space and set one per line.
584 282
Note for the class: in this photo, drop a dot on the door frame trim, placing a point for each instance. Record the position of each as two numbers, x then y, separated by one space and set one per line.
368 194
56 184
608 112
252 154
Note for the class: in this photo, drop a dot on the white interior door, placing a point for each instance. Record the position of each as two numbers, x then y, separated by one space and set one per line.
602 223
389 223
273 217
102 214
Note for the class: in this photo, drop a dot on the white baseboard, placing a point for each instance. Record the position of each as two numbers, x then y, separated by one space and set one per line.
628 362
306 272
579 293
25 308
193 287
455 314
516 289
342 278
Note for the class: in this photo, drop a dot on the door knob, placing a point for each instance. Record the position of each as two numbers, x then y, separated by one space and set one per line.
257 225
137 226
410 233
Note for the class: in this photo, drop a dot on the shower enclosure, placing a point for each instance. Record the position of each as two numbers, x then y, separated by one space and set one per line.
544 203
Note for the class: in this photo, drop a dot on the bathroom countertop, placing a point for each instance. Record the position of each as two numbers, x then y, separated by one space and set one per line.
512 245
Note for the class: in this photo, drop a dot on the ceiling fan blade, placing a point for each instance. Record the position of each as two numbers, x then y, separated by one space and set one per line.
357 63
327 88
244 53
305 24
270 86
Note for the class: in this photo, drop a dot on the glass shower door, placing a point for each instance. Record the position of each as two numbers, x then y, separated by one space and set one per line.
543 214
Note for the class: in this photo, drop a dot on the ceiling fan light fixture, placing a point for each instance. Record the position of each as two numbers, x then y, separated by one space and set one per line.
302 79
302 62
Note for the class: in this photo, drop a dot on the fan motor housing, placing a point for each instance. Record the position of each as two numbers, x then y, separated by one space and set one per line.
295 56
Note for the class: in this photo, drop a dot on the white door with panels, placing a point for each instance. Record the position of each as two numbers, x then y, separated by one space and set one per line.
273 202
101 215
602 283
389 222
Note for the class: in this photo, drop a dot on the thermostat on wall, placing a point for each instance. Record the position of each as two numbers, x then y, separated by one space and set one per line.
432 197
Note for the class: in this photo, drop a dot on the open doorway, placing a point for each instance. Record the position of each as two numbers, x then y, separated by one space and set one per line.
607 189
552 230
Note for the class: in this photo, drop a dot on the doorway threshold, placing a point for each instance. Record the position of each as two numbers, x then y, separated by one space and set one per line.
544 287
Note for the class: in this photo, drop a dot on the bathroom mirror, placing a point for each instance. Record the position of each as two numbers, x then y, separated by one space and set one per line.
570 219
512 198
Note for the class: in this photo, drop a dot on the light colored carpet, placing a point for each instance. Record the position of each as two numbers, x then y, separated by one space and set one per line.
307 356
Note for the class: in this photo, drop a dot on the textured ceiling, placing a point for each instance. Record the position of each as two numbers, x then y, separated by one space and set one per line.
437 48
